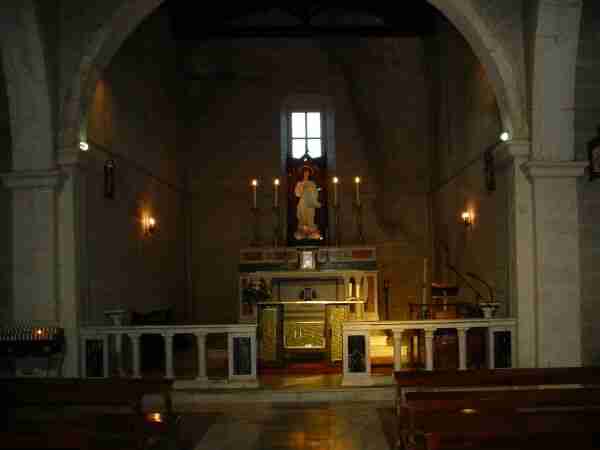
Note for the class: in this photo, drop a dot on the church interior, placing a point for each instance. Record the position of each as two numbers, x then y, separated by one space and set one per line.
264 201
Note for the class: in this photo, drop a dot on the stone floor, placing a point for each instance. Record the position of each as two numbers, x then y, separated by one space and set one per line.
290 426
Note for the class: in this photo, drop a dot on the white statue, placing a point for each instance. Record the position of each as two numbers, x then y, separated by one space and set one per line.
307 191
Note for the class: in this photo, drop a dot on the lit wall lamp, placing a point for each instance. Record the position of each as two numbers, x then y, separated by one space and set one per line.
148 225
467 218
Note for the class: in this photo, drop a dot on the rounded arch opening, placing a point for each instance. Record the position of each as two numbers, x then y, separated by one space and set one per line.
107 40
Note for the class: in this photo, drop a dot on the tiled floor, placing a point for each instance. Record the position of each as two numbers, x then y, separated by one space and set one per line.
284 426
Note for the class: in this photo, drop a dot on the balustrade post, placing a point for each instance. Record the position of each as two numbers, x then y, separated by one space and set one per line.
119 353
105 356
201 344
429 349
491 349
397 349
169 372
462 348
135 350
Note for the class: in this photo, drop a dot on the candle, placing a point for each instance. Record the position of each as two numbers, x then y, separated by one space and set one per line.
336 180
357 184
254 185
276 192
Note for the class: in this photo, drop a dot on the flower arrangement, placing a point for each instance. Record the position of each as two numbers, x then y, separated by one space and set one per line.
256 292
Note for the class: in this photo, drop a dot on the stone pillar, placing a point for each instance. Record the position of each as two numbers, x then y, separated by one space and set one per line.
429 349
557 262
397 349
34 245
462 348
511 158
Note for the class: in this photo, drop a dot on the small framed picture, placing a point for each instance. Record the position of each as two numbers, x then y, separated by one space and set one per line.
307 260
594 157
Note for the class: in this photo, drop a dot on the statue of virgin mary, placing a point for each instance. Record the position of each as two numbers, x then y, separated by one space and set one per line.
308 194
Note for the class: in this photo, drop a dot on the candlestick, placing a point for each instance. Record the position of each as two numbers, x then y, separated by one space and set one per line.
357 184
276 192
424 281
336 180
254 185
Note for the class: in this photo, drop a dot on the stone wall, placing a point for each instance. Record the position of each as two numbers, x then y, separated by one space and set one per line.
587 123
133 120
377 90
5 206
467 122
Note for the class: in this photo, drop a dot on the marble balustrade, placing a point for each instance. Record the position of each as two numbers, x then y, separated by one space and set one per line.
356 340
241 346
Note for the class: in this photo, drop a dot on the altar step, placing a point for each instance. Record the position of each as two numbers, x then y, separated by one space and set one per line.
293 390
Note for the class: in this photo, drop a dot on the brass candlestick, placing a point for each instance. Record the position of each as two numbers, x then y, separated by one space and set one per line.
359 225
255 228
277 226
338 230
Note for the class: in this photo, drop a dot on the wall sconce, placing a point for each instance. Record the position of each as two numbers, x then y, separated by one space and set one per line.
109 178
148 225
467 218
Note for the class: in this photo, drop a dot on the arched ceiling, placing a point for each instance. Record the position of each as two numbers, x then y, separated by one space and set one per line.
268 19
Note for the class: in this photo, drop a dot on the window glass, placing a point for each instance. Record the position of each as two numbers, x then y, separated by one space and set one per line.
306 133
298 125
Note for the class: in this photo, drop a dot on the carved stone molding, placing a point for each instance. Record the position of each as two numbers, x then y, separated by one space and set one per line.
555 169
32 179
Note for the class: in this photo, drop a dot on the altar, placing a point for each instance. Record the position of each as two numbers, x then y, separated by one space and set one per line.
305 295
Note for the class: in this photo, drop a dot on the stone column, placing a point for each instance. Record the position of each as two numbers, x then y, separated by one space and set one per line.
429 349
397 349
462 348
34 245
511 158
557 262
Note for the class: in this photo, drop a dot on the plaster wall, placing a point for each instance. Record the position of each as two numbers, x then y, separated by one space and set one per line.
376 88
467 123
133 120
587 107
5 207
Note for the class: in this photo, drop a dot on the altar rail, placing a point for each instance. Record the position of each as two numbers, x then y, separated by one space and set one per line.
241 346
356 343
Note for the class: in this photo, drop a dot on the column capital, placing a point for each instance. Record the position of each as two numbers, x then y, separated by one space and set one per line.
397 334
32 179
429 332
517 150
462 330
555 169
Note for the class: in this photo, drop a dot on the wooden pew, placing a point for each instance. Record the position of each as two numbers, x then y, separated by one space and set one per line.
80 413
503 408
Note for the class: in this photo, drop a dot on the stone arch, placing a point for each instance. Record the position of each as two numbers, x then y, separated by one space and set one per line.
28 88
105 42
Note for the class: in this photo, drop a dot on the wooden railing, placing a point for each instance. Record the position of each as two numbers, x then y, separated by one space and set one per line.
241 346
356 343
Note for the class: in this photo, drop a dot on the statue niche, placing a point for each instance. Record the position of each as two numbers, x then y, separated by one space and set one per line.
307 204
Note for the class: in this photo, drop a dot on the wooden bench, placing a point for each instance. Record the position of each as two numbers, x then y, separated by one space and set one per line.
80 413
503 408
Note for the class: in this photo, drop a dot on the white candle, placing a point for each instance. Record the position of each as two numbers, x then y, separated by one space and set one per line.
336 180
254 185
357 184
276 192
